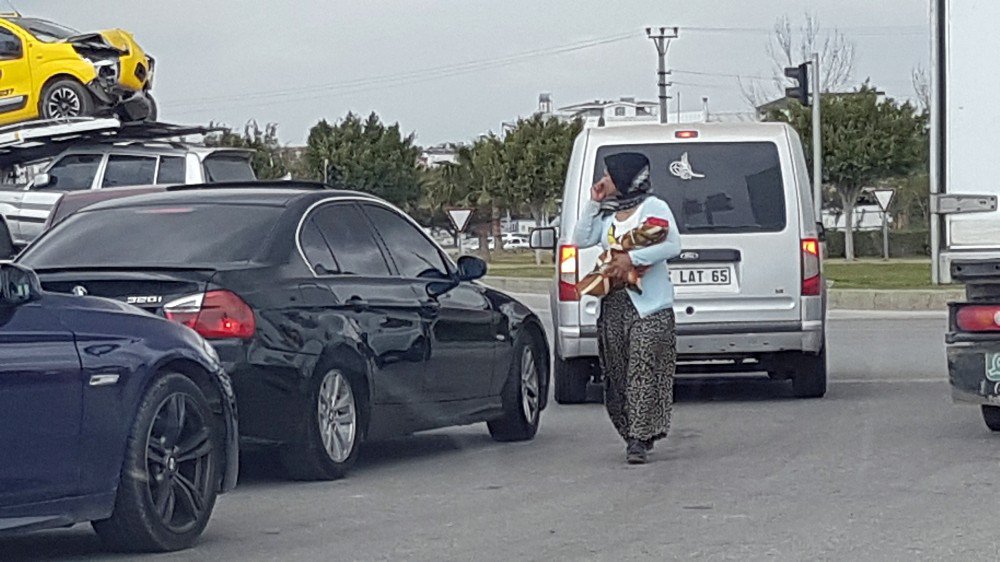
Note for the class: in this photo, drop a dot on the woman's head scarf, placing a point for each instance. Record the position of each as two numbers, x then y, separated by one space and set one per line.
630 173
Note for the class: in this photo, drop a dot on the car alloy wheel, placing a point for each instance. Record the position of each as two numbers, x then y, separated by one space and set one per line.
337 416
530 394
63 102
178 463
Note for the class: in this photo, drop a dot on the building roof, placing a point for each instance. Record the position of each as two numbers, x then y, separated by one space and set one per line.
601 104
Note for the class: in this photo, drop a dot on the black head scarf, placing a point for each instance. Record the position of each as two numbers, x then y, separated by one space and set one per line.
630 173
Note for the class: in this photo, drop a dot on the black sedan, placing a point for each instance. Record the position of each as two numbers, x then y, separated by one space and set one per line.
337 317
111 415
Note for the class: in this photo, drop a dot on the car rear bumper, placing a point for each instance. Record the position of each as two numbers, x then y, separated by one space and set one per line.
730 338
967 373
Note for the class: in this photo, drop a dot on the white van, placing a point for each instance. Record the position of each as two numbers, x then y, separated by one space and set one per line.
750 295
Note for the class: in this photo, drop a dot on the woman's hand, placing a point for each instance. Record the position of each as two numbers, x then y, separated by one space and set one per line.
603 189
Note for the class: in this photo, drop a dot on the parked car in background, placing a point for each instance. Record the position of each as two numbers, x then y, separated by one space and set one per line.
52 71
515 243
338 318
750 294
110 415
25 209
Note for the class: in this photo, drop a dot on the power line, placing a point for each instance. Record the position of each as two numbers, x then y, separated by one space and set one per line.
362 84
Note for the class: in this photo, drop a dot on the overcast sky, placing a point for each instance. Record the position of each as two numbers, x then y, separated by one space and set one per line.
452 69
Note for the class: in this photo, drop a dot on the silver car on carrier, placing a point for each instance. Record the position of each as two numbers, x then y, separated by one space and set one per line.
750 295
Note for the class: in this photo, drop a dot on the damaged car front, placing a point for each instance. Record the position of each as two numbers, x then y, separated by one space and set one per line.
77 74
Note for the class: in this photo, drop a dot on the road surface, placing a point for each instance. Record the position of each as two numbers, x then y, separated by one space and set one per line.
883 468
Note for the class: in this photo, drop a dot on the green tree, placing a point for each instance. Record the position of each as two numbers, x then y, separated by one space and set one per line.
366 155
867 141
270 159
536 154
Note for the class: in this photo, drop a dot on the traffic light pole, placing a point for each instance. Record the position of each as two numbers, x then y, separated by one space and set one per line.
817 142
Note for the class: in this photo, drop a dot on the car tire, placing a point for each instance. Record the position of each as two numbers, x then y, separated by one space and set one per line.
991 415
522 392
154 111
6 243
66 98
809 376
329 433
172 463
571 379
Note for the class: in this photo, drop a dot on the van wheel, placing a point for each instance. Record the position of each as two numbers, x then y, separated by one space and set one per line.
571 379
65 98
991 415
809 376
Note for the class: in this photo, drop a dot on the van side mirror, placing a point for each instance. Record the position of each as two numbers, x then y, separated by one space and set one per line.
18 285
542 238
41 180
820 232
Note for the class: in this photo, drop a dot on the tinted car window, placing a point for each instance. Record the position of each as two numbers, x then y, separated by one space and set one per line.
129 170
181 234
317 252
171 170
44 30
715 187
350 236
413 254
73 172
228 167
10 45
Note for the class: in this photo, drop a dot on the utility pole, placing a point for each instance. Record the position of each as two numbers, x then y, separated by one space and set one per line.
817 141
678 107
661 38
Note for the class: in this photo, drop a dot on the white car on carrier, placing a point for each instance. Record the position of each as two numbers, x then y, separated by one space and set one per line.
750 294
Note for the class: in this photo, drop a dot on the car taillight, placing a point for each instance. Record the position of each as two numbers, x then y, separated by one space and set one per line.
978 318
812 277
214 315
568 266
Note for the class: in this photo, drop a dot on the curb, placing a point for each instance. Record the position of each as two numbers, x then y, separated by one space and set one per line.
838 299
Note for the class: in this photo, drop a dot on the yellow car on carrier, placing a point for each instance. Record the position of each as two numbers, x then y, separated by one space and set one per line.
50 71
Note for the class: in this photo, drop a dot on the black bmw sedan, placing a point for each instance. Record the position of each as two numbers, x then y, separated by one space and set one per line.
337 317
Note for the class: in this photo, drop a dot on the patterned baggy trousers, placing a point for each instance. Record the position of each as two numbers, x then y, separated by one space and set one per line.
638 359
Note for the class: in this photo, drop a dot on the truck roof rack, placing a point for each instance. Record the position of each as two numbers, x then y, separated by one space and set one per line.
40 139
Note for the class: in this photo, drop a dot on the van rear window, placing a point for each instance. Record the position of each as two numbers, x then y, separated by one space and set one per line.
725 187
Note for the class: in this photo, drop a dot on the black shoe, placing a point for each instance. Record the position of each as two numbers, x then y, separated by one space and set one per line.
649 444
636 452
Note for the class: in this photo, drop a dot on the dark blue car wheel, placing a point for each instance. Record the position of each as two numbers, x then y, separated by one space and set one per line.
170 476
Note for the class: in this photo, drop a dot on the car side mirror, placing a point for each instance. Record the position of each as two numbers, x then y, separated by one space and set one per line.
542 238
41 180
18 285
471 268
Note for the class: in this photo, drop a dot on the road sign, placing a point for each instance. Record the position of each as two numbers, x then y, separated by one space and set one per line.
884 197
460 218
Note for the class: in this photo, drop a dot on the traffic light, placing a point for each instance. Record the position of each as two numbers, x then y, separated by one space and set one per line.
799 92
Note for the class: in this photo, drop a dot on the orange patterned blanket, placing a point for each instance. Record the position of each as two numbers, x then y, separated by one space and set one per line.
599 283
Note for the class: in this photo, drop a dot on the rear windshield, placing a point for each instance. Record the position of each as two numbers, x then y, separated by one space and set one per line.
714 187
171 236
228 167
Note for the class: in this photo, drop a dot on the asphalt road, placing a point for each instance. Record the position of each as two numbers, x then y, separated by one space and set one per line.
883 468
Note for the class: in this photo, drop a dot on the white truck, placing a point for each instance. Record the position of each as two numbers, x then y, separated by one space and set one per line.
965 183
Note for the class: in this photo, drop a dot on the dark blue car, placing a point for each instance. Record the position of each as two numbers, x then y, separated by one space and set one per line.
109 415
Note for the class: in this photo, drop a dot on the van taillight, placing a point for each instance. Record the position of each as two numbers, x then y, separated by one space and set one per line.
214 315
568 267
978 318
812 277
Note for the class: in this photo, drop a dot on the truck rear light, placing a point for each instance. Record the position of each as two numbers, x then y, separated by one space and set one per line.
812 275
978 318
214 315
568 267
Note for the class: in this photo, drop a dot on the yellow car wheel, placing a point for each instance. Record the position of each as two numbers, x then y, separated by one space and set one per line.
65 98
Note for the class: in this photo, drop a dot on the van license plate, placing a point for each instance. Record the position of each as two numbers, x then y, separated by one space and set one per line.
702 276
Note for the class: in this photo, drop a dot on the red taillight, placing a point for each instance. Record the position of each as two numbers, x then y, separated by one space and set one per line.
214 315
568 267
812 277
978 318
686 134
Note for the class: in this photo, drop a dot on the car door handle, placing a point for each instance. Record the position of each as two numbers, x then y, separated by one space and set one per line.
357 303
429 308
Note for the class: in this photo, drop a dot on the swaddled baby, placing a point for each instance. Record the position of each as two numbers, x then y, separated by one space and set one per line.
599 282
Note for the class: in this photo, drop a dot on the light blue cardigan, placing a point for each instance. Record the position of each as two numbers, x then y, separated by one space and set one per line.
657 290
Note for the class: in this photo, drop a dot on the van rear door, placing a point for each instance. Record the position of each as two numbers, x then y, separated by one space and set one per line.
736 208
